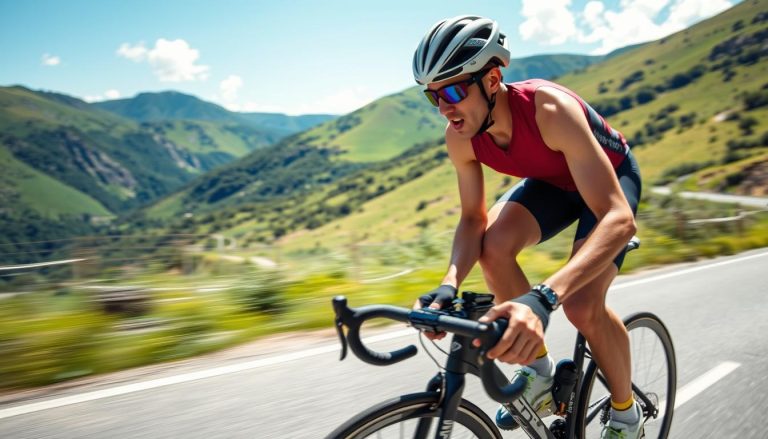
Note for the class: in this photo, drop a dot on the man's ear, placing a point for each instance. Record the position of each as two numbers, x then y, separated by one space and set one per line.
494 79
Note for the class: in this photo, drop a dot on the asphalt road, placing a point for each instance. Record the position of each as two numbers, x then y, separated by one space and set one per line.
716 311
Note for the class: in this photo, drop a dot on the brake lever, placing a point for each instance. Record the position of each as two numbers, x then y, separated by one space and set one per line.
340 331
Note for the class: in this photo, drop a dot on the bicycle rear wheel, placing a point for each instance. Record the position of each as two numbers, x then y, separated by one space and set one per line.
415 416
654 381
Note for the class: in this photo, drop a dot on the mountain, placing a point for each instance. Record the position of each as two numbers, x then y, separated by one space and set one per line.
172 105
168 105
62 156
698 97
553 66
284 123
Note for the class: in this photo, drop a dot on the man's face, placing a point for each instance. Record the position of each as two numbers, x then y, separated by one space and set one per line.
467 115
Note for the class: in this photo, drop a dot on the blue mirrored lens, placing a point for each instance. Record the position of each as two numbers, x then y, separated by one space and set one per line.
453 94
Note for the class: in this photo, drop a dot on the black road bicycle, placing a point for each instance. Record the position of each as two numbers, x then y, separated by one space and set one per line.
581 400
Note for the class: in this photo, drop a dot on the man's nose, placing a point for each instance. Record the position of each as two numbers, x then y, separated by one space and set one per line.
444 107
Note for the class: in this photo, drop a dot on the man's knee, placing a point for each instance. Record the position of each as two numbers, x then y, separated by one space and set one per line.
498 253
585 314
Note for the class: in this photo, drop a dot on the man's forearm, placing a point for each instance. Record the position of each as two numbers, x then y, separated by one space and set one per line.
467 245
611 234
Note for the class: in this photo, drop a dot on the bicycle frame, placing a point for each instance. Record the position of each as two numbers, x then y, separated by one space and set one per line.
465 358
462 360
450 384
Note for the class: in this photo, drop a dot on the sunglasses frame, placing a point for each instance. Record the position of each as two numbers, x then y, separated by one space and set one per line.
462 88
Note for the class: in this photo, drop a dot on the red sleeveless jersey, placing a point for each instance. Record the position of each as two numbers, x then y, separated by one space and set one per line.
527 155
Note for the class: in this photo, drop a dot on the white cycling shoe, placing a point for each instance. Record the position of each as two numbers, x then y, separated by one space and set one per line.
619 430
538 393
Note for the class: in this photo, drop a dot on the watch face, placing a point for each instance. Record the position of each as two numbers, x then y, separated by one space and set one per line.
550 295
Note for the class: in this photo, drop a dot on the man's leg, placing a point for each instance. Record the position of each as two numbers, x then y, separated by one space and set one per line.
511 228
604 330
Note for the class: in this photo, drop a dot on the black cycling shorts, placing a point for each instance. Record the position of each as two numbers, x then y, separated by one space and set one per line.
555 209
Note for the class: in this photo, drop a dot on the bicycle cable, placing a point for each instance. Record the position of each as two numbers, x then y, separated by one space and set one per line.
421 340
424 345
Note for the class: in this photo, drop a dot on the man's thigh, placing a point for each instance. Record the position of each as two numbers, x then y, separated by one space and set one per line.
550 209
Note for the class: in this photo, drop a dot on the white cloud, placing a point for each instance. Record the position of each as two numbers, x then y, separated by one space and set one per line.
137 53
638 21
171 61
50 60
108 95
230 88
547 22
686 12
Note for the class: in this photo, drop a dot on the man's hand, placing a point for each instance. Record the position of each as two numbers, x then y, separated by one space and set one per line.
523 338
438 298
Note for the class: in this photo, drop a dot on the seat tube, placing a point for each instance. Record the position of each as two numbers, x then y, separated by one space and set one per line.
579 352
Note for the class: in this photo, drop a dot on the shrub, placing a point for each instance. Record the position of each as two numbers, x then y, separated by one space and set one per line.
755 100
262 291
645 95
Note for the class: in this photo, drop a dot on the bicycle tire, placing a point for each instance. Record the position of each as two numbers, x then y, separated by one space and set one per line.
639 326
379 418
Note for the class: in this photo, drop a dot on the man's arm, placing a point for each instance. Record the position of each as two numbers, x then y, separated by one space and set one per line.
564 128
467 241
468 238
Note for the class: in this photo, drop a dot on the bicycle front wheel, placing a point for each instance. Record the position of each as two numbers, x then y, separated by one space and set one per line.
416 416
654 381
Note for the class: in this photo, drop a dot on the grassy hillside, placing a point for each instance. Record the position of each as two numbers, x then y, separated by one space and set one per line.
681 100
26 188
115 161
380 130
24 111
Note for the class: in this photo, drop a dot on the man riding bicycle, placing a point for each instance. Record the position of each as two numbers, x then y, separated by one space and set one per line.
574 167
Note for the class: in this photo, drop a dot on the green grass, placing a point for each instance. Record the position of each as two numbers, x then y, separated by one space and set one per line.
383 129
23 111
48 196
222 140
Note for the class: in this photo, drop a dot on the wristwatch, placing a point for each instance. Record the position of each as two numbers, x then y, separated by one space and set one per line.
549 296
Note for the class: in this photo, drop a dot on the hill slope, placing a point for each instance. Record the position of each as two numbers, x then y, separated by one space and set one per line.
113 163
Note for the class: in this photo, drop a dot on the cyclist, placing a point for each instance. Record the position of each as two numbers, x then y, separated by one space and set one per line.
574 167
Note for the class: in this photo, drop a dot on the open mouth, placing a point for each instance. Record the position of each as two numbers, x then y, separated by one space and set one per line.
457 124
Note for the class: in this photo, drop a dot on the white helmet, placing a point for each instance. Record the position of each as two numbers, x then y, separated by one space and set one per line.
463 44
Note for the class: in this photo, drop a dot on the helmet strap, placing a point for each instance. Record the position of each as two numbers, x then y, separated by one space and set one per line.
488 122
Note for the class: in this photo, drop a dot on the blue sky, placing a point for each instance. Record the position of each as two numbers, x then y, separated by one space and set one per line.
290 56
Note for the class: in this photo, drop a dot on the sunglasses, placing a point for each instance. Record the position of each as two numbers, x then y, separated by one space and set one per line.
456 92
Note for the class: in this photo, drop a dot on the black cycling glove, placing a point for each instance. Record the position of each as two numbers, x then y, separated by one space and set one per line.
442 295
538 304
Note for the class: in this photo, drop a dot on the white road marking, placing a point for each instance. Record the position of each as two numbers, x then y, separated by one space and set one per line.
685 271
700 384
187 377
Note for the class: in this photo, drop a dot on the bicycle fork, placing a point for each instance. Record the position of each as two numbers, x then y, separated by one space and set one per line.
450 385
